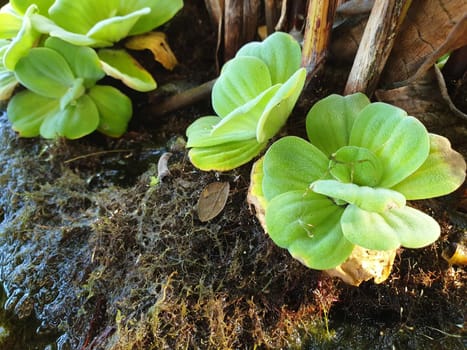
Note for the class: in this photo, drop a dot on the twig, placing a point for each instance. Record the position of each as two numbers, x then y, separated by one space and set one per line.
376 44
320 16
95 154
184 98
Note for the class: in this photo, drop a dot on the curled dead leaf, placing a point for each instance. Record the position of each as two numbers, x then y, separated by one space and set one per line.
157 43
212 200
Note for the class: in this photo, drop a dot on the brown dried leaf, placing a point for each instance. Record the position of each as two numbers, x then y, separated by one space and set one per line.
427 99
425 29
456 39
212 200
157 43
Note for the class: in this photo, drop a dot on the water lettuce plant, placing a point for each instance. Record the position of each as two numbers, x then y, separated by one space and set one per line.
349 185
25 26
62 97
253 97
101 23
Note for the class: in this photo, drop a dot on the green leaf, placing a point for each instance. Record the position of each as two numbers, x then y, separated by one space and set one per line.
242 122
46 26
10 25
27 110
161 12
75 121
401 142
80 16
72 94
45 72
292 164
8 80
281 53
307 224
83 61
441 173
366 198
120 65
21 6
115 109
330 120
280 106
22 42
110 21
356 165
199 133
116 28
405 226
8 84
255 191
241 80
226 156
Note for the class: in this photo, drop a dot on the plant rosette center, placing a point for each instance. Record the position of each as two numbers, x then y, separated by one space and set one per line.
253 97
347 187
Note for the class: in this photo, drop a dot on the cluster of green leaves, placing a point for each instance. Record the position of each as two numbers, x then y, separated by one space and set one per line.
349 185
57 50
253 97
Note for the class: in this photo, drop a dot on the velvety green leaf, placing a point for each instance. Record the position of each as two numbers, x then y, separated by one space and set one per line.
405 226
356 165
161 12
46 26
22 42
441 173
366 198
255 191
75 91
401 142
21 6
241 80
241 123
83 61
281 53
80 16
8 84
27 110
330 120
115 109
292 164
73 122
120 65
226 156
8 80
199 133
307 224
280 106
10 25
116 28
45 72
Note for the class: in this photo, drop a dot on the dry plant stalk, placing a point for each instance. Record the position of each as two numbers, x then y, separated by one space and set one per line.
385 20
320 17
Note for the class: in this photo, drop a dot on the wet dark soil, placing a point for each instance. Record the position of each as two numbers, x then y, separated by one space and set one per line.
94 255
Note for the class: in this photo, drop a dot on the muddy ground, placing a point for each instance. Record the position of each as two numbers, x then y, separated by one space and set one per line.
95 257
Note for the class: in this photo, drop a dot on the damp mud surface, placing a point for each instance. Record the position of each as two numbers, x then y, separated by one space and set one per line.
95 255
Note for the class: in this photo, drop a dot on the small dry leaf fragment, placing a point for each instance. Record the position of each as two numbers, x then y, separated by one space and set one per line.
162 168
212 200
157 43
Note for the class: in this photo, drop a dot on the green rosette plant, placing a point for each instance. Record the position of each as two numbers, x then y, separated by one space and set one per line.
24 27
101 23
17 37
253 97
350 184
62 98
